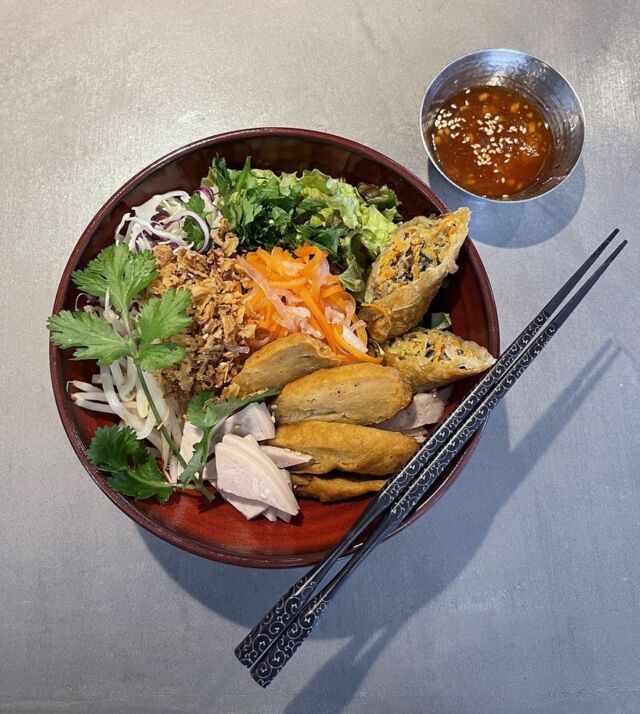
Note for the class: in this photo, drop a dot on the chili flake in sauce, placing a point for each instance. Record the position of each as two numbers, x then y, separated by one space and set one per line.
492 141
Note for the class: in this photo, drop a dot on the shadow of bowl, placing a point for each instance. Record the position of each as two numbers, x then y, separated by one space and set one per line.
516 225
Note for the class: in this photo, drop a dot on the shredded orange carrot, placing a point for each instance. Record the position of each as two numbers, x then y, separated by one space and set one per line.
295 292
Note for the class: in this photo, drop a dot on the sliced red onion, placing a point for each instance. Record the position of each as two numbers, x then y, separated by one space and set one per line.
145 225
207 192
200 221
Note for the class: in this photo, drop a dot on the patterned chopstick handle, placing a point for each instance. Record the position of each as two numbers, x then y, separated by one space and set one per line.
290 640
390 493
284 647
253 646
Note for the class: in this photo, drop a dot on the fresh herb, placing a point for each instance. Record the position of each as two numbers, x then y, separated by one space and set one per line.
94 337
160 319
134 471
219 177
119 275
97 339
119 272
195 204
190 225
205 412
357 258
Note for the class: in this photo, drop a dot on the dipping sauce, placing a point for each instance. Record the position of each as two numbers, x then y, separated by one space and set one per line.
491 141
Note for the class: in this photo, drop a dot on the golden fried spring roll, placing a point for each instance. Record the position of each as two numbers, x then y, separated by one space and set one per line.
346 447
354 393
280 362
328 490
428 359
409 272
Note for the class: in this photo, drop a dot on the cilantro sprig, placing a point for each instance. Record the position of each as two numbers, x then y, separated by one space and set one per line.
206 412
134 471
118 272
94 337
118 275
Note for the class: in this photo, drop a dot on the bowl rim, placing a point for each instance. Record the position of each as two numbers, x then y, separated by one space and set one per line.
477 196
56 361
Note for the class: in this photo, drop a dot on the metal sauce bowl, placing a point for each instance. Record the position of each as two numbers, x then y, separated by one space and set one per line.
535 80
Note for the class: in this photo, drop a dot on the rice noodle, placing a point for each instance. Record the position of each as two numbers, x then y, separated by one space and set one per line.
148 426
82 386
110 392
131 377
116 373
93 406
142 405
90 396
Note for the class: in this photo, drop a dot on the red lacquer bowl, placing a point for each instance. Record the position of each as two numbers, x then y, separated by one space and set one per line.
218 531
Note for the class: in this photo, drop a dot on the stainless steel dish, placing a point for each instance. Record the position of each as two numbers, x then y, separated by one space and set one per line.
535 80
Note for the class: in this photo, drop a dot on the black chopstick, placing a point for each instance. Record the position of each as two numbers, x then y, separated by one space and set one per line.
280 649
254 645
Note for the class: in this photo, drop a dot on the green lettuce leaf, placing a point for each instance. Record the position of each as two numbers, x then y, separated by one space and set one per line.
376 230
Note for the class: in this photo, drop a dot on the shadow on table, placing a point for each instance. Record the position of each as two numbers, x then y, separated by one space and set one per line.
241 595
516 225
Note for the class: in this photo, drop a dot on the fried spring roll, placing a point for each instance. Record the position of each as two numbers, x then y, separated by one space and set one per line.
409 272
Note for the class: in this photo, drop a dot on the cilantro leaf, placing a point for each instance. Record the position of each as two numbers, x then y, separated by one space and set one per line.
165 316
117 270
159 319
193 231
205 413
143 481
242 178
190 226
195 204
134 471
155 357
112 448
95 337
218 176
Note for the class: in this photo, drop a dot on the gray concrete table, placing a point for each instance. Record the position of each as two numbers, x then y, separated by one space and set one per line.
520 590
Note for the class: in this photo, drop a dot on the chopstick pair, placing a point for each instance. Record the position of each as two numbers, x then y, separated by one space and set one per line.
270 645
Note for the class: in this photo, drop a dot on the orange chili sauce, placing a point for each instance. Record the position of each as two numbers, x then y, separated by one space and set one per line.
491 141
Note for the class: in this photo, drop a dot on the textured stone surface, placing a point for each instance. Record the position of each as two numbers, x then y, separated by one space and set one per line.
520 590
